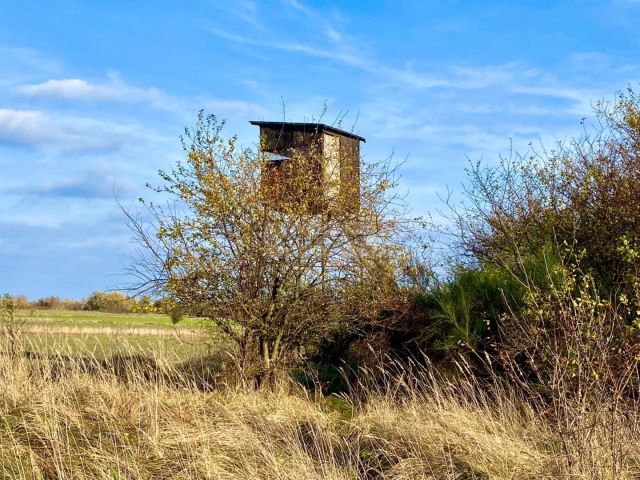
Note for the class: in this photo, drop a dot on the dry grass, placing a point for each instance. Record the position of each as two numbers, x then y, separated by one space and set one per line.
113 331
146 418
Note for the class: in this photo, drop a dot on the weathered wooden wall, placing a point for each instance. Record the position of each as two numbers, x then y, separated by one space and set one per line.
350 173
329 164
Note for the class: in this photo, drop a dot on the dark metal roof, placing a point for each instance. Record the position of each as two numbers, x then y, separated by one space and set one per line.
302 125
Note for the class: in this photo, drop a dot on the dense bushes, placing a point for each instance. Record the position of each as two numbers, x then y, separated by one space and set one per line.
582 200
56 303
538 239
566 229
114 302
533 222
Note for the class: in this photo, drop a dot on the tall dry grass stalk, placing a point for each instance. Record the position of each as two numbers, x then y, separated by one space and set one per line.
134 416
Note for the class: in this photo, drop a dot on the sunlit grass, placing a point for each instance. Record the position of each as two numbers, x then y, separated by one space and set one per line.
103 319
142 399
152 416
104 334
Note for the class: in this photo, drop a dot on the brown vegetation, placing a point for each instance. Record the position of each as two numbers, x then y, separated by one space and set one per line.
133 419
276 277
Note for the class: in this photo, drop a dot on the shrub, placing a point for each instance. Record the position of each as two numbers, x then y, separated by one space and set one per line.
581 202
574 351
176 314
56 303
144 304
113 302
10 324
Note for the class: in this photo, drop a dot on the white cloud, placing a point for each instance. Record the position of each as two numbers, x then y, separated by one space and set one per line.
459 77
116 90
66 133
74 89
580 99
78 89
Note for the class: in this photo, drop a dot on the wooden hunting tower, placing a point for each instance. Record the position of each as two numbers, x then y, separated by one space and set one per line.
327 156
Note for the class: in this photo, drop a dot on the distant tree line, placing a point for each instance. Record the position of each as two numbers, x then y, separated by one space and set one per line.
99 301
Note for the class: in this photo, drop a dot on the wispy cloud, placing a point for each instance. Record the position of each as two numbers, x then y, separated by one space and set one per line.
514 76
115 90
245 10
579 98
34 128
20 64
78 89
92 184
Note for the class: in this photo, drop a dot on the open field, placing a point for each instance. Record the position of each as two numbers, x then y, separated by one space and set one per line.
103 345
104 334
68 318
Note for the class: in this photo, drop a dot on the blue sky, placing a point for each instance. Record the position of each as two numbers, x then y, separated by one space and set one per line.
93 97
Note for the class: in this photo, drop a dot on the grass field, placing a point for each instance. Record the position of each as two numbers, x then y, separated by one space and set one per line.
104 334
82 403
102 319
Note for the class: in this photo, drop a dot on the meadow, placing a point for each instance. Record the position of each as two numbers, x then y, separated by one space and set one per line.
146 399
84 318
104 334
